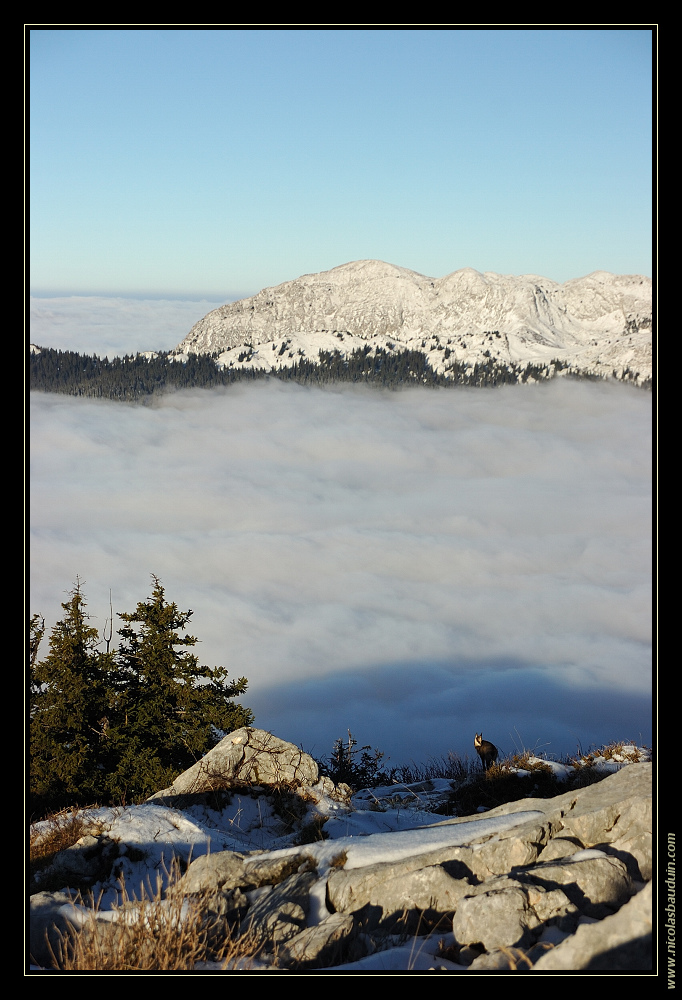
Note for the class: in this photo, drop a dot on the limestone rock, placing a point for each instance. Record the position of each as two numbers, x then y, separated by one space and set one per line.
621 942
389 885
247 756
227 870
391 897
80 865
596 883
560 847
280 914
317 946
506 913
223 870
503 958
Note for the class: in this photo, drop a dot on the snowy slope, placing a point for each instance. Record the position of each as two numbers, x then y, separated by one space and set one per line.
379 825
598 323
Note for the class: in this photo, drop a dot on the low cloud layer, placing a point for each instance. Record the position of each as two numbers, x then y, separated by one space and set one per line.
109 326
416 566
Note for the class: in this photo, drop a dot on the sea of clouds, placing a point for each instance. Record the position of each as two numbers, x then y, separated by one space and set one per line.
415 566
111 325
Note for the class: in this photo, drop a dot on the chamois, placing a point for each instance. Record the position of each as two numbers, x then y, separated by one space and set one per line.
486 751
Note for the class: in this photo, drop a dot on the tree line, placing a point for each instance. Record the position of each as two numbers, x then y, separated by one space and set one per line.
138 377
115 725
128 378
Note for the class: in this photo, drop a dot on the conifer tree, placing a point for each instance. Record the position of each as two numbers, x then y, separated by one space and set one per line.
172 710
68 710
120 725
344 766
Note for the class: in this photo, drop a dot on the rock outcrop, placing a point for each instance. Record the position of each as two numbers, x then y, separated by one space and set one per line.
249 756
538 884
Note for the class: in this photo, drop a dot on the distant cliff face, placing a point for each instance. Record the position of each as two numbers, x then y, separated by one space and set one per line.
597 323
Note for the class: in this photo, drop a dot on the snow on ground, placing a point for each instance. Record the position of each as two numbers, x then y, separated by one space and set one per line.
379 825
396 845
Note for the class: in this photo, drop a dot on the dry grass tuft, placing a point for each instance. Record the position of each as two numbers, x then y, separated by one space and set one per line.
156 932
312 832
54 834
527 761
517 959
59 831
619 751
449 951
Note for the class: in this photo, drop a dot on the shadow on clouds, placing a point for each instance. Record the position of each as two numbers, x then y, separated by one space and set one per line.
416 711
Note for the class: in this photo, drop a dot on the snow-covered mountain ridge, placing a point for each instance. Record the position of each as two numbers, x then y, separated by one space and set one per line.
597 324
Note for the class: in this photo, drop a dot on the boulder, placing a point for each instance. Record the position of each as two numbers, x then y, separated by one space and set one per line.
392 897
77 866
613 815
223 870
227 870
502 958
597 883
618 943
318 946
247 756
616 815
280 914
507 913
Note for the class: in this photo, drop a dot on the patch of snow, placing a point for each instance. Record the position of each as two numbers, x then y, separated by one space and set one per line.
587 854
396 845
419 956
561 771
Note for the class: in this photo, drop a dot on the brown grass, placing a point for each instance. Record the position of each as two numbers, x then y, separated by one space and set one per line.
613 751
159 931
54 834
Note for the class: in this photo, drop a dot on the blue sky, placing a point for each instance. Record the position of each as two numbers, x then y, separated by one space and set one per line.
214 162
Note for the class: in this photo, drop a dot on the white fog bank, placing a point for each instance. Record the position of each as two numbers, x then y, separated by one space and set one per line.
416 566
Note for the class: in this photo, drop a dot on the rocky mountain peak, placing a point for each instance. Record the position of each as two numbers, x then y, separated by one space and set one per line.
598 323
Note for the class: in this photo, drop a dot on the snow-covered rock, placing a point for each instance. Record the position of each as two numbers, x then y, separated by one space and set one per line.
598 324
515 885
